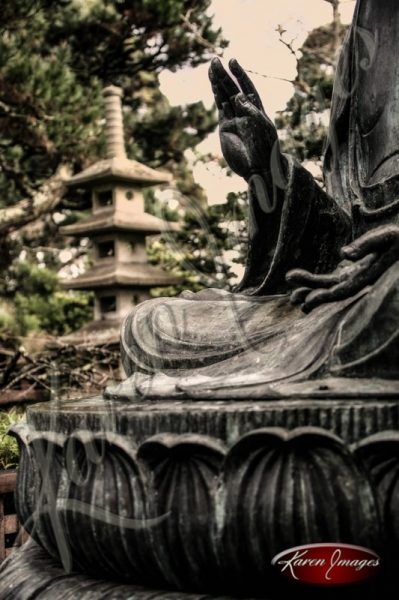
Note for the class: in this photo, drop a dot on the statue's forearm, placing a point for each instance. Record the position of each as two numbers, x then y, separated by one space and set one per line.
293 223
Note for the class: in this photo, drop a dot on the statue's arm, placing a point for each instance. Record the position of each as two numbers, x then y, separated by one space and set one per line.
293 223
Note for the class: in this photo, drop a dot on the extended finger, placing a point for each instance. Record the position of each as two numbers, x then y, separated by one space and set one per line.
364 273
377 239
342 291
219 74
245 82
305 279
299 295
217 89
218 96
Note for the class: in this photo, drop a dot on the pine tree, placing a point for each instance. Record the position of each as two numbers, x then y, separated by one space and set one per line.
55 58
303 124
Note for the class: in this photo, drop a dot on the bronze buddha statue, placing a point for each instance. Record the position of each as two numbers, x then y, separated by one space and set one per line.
320 294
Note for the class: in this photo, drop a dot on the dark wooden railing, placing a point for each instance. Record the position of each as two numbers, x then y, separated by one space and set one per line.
11 533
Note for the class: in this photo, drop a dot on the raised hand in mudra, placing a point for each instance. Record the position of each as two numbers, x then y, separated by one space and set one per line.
248 136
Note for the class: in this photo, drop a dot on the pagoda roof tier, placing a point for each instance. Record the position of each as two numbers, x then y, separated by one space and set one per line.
118 169
121 275
111 220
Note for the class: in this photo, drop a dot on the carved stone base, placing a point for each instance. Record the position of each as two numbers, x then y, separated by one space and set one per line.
199 497
30 574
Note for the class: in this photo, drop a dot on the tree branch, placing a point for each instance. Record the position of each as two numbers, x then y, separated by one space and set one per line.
198 33
44 201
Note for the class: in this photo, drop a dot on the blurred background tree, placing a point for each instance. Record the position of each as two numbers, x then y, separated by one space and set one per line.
303 124
55 59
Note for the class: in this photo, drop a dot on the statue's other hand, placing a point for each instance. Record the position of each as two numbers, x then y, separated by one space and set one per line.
364 261
247 134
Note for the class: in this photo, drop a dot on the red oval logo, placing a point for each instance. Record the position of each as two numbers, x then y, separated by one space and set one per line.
328 564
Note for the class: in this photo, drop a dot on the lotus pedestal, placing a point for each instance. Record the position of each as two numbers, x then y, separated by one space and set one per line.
196 498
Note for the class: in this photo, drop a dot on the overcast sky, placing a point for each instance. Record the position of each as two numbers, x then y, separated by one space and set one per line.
250 27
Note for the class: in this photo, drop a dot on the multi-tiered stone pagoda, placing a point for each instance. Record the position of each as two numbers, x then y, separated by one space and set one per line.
120 275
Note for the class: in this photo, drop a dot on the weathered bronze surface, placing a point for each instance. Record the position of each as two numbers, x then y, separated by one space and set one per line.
199 497
320 294
255 421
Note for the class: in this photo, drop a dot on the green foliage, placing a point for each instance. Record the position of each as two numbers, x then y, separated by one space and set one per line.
197 252
42 305
8 325
58 314
56 56
304 120
45 116
55 63
9 452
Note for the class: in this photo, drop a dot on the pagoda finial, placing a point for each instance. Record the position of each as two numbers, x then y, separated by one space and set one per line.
114 122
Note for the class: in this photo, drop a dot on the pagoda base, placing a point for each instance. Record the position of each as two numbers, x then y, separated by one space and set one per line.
199 497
